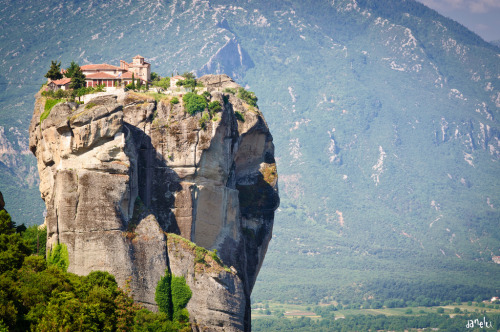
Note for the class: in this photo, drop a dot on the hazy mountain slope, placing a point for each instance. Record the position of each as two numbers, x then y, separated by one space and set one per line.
384 116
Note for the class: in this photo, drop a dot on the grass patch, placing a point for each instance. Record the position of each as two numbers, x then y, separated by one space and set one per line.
157 96
49 104
90 105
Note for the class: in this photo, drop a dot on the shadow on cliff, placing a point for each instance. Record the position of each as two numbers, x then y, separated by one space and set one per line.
157 182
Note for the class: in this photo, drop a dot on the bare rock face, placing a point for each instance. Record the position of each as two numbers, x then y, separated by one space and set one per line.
122 174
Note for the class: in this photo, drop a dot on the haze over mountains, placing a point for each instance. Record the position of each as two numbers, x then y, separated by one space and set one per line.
384 116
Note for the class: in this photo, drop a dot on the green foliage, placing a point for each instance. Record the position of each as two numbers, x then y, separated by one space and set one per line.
146 321
371 323
132 84
248 96
35 238
12 247
49 104
204 120
188 75
99 88
60 93
172 295
54 72
77 78
181 294
189 82
194 103
200 253
207 95
90 105
174 101
163 295
155 76
163 83
230 90
214 107
58 257
239 116
215 257
73 67
87 90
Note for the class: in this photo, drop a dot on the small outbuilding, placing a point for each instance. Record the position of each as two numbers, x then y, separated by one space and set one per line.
62 84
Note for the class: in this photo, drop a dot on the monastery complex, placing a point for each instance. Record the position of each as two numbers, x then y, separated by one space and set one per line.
109 75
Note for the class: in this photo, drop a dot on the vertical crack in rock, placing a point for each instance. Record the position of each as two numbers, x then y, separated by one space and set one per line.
134 187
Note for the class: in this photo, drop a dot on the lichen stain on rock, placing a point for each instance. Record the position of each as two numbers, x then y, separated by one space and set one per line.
121 177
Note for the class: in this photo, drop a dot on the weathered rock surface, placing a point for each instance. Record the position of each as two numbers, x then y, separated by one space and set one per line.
120 173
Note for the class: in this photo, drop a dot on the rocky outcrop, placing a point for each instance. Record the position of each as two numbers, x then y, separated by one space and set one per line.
121 174
2 202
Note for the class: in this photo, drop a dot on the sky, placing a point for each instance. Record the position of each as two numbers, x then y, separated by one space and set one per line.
480 16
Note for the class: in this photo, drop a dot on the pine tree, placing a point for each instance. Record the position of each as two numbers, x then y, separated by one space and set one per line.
133 81
54 72
71 69
77 79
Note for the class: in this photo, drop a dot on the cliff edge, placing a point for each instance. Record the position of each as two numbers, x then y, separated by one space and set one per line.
137 186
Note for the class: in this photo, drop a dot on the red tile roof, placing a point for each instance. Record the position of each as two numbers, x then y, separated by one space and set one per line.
100 66
100 76
128 75
62 81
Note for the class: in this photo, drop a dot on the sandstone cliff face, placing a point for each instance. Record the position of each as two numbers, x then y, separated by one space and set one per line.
121 172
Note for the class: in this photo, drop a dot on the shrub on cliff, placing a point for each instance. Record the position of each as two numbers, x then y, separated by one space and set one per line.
214 106
58 257
181 294
172 296
194 103
163 295
249 97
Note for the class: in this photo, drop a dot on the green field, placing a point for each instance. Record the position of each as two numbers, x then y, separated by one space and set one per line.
302 310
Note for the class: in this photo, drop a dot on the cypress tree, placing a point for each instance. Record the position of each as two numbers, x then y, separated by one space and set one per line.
54 72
